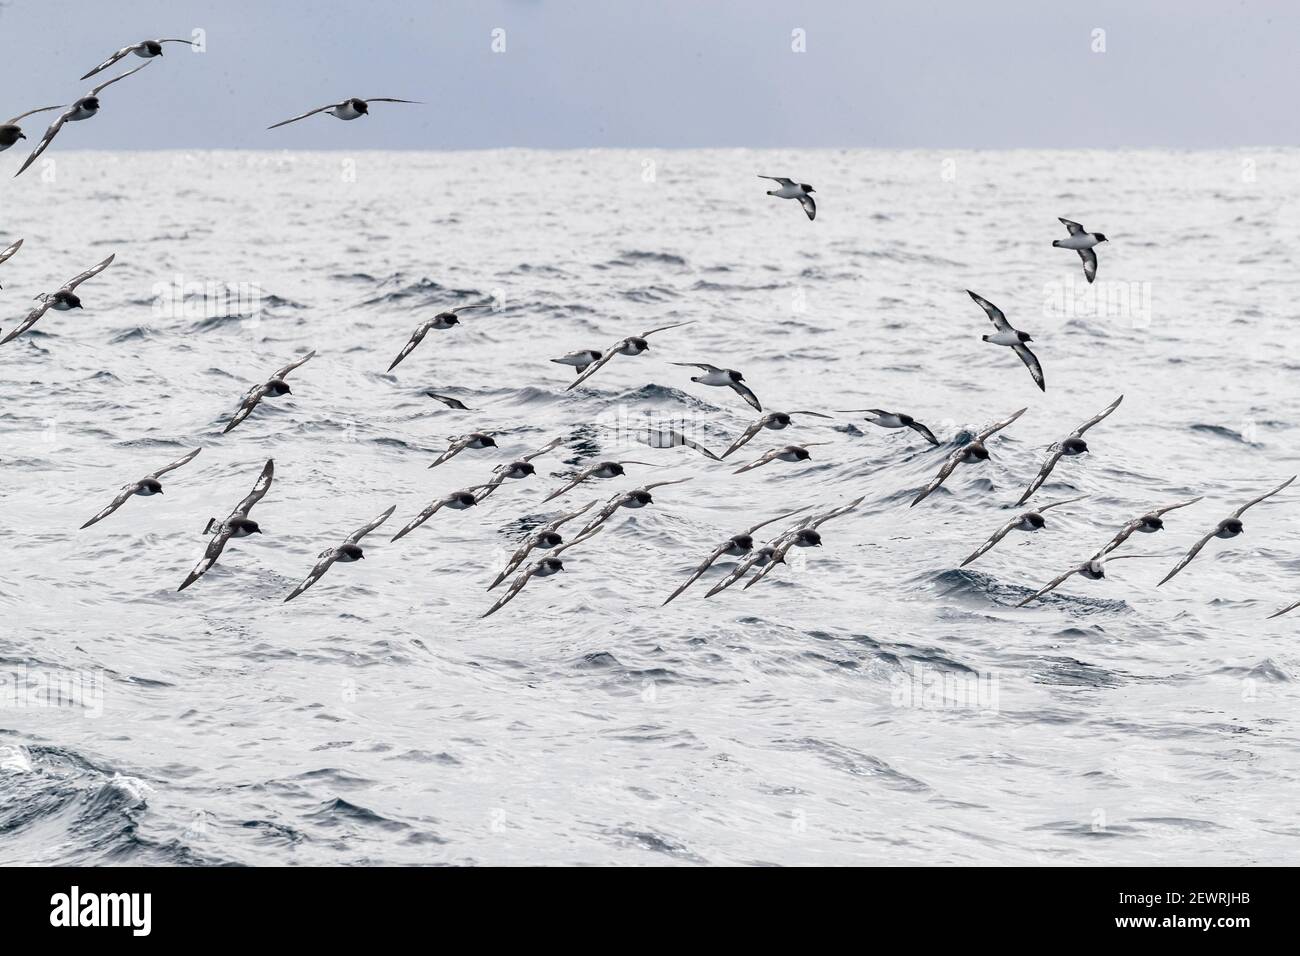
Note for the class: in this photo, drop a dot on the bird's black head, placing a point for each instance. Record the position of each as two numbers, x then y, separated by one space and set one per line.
1024 336
351 552
736 376
806 188
549 539
906 419
1074 445
809 538
278 386
638 343
361 106
801 454
89 103
487 441
641 496
449 318
1153 522
466 499
613 467
153 48
977 450
742 542
1035 520
553 564
72 300
246 526
1231 526
526 467
1102 238
780 418
151 485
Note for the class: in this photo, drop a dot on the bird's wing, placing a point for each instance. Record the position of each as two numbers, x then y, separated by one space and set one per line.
745 436
39 109
804 411
704 566
295 119
555 523
549 446
48 138
428 512
416 338
938 479
1055 504
1121 536
1181 504
1098 417
925 432
819 520
675 439
741 389
810 207
595 366
1043 472
1089 258
1250 504
251 398
704 365
467 308
113 505
1286 610
454 449
1074 227
387 99
578 479
1031 363
10 250
516 586
176 40
1187 558
665 328
365 529
778 179
1055 583
660 484
96 269
788 514
260 488
604 513
174 465
778 557
769 455
327 558
994 313
996 427
739 571
126 50
210 555
580 539
445 399
997 536
282 372
121 76
28 322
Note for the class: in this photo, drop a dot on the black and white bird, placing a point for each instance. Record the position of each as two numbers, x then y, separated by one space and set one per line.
581 359
776 421
63 300
273 387
805 536
474 440
784 453
238 525
546 537
1072 445
969 453
11 132
1025 521
601 469
1229 527
349 109
878 416
1012 338
1094 569
1082 242
551 564
82 109
737 546
789 189
632 345
456 501
634 499
8 252
347 552
520 467
1148 523
145 49
443 320
723 378
147 486
450 402
673 438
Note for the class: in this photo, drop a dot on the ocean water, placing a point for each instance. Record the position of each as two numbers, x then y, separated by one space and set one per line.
870 703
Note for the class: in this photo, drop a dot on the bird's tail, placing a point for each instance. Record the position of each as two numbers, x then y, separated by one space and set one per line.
208 526
1056 243
984 338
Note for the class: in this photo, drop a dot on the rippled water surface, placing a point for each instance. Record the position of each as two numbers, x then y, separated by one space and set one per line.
870 703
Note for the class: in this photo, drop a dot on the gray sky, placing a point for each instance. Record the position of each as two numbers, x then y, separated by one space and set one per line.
1002 73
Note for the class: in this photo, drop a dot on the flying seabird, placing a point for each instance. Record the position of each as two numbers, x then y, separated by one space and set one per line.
967 454
443 320
632 345
1229 527
636 498
146 486
789 189
878 416
63 300
9 251
238 525
672 438
349 109
146 49
83 109
1149 523
773 420
1025 521
520 467
579 359
450 402
1012 338
805 536
737 546
347 552
551 564
601 469
475 440
723 378
545 537
1094 569
1073 444
457 501
784 453
11 132
274 387
1082 243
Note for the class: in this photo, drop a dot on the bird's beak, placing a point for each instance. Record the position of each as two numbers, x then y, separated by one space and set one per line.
259 530
288 390
80 306
22 135
1029 338
362 556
